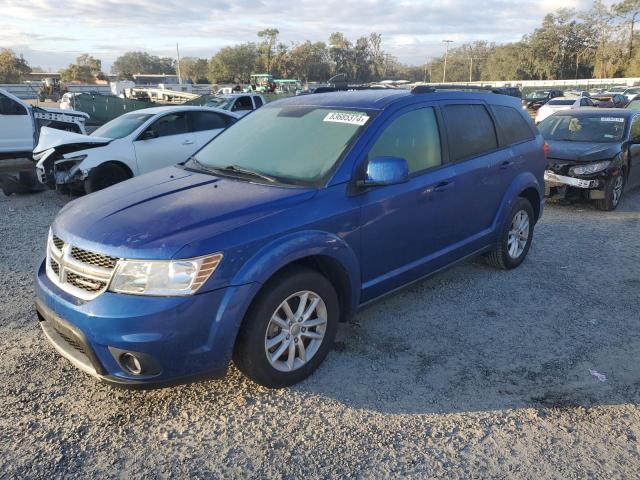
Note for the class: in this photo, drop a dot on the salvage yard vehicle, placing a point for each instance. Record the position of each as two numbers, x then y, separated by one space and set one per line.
258 246
562 103
610 101
132 144
20 124
536 99
593 154
238 103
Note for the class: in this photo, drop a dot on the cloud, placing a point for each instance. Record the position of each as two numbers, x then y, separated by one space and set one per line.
411 29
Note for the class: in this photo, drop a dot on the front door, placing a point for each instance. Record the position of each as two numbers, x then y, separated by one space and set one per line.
406 228
16 126
165 142
633 180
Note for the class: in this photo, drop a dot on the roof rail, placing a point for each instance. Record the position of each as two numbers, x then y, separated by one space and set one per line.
434 88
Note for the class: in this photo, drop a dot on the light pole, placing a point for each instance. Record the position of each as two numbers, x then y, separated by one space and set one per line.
446 54
471 59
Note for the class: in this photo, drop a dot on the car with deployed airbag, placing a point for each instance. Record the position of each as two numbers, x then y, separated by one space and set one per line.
283 226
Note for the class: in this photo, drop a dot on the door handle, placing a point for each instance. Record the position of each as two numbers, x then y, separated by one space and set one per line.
442 186
188 142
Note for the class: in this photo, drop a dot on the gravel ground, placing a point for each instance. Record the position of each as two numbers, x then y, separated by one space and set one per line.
473 373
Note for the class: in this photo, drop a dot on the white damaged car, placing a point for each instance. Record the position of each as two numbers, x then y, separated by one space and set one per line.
132 144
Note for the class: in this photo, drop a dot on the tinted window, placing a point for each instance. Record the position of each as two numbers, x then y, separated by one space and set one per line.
515 129
258 101
470 131
561 102
172 124
9 106
201 121
413 136
242 104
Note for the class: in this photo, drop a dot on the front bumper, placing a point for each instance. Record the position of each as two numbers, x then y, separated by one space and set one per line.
178 339
553 179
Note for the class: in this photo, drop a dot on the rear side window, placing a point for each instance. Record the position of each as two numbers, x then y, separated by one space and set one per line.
413 136
201 121
515 129
470 130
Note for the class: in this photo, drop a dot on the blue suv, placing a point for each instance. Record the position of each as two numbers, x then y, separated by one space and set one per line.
286 224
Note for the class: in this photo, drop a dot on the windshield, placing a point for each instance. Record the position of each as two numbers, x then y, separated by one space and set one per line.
298 145
633 105
596 128
219 102
122 126
538 94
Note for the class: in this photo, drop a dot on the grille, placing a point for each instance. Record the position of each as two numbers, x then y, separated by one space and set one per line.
75 343
54 266
84 283
95 259
79 272
58 243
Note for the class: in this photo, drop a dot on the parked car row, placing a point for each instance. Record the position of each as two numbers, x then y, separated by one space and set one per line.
254 246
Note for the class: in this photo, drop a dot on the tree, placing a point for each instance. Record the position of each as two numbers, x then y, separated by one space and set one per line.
340 54
132 63
194 69
310 61
233 64
628 10
12 67
268 39
86 70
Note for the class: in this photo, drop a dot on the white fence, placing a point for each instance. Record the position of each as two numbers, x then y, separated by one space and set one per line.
29 91
581 82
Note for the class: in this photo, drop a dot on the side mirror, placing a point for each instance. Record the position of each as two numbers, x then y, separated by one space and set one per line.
385 171
148 135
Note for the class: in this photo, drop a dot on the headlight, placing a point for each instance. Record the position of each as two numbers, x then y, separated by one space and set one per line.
163 278
76 159
590 168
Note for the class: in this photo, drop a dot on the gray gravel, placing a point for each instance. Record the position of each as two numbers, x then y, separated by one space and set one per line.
473 373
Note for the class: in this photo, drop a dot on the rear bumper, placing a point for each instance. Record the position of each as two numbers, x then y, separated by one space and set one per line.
176 339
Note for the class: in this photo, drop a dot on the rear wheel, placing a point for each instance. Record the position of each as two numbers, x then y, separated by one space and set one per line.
515 238
612 193
289 329
104 176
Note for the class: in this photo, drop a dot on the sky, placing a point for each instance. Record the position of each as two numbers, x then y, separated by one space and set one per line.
51 33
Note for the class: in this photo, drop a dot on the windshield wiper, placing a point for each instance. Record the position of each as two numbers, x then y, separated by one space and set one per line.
246 172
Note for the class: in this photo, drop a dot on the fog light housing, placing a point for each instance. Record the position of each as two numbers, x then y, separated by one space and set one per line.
131 363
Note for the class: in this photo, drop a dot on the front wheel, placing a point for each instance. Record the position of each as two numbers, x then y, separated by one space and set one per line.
104 176
515 238
289 329
612 193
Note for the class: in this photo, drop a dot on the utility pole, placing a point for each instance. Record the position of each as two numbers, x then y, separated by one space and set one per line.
427 65
178 65
446 54
471 59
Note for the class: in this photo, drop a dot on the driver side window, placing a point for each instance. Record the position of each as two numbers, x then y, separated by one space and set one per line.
171 124
242 104
9 106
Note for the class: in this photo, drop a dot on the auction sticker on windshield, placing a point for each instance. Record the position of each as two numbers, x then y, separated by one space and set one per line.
612 119
350 118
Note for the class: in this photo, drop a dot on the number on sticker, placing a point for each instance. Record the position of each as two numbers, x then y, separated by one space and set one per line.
350 118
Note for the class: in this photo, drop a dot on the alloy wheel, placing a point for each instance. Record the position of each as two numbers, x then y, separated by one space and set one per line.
518 234
295 331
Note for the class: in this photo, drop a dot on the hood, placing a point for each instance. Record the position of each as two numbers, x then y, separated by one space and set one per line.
52 137
582 151
155 215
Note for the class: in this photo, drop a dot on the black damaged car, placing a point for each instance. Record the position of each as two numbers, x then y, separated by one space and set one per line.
593 154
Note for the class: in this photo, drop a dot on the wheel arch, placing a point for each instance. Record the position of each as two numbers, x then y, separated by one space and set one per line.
525 185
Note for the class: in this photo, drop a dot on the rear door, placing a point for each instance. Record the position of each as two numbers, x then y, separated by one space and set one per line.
165 142
16 126
634 153
206 125
483 169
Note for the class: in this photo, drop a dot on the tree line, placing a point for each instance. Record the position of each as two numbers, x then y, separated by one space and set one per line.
600 42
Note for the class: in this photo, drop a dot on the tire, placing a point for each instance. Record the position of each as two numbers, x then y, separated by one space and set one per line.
612 193
505 256
260 335
104 176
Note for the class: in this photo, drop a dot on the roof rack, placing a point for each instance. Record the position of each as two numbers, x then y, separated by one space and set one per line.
434 88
